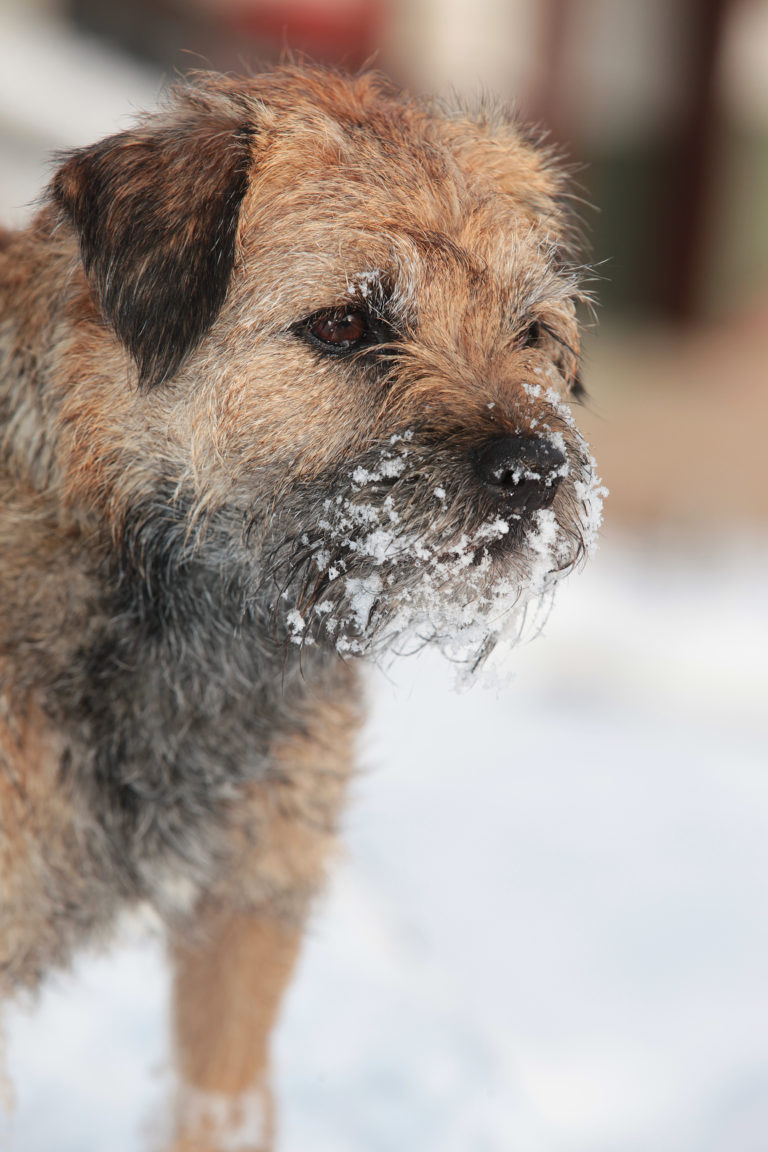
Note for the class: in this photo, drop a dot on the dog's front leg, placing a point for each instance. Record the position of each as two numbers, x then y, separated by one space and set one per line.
232 968
227 994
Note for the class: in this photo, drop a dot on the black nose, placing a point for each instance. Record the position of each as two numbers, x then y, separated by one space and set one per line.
523 471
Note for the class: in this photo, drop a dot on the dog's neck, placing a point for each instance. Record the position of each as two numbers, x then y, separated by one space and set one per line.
170 686
164 669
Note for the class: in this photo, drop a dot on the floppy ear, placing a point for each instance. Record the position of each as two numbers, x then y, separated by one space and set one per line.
156 211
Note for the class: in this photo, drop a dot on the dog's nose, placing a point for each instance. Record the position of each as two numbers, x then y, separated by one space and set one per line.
523 471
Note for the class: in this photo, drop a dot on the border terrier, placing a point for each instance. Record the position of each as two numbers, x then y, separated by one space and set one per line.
285 373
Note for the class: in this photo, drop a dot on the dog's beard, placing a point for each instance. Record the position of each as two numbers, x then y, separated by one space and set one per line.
412 550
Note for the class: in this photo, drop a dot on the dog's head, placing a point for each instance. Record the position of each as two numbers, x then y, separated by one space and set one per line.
341 329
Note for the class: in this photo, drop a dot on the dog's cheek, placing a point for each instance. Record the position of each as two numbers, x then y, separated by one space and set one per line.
156 212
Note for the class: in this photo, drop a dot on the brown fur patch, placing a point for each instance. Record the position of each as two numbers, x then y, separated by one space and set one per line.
210 497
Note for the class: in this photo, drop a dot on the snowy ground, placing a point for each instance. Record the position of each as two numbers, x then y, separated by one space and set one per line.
549 930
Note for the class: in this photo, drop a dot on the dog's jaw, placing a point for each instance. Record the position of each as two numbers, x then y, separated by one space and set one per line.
370 576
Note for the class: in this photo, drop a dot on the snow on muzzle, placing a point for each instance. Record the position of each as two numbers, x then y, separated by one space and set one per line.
422 545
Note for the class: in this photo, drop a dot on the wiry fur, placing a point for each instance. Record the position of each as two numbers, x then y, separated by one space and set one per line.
179 463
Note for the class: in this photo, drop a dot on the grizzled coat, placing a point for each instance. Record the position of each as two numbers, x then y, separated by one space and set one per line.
217 327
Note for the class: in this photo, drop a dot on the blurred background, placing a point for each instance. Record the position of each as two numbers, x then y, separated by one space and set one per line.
548 931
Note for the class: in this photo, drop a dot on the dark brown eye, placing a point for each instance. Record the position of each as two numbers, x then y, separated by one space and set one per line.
339 329
532 336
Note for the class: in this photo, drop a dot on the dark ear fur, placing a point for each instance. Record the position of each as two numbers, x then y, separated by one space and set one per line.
156 210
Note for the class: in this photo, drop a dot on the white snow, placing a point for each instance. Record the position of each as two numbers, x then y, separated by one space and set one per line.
295 622
366 284
456 597
237 1125
549 932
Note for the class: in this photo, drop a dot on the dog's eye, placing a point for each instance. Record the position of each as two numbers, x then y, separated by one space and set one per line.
340 330
533 335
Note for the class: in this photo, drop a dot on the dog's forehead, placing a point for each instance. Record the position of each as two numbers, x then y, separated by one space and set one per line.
393 200
404 165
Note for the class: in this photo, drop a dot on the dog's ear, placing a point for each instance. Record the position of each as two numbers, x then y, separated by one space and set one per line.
156 211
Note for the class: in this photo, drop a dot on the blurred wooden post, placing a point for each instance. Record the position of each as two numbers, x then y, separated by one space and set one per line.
679 215
684 204
551 101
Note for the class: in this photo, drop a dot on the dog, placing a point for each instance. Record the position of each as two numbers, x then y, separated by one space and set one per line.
286 373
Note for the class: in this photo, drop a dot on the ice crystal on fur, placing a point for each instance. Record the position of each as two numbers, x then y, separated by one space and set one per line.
381 580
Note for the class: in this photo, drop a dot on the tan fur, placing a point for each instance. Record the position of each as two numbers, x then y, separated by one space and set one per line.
228 992
168 425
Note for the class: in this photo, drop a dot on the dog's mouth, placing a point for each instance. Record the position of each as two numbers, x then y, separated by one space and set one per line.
413 547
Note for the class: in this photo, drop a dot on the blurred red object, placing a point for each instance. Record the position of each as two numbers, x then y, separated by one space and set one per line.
344 32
